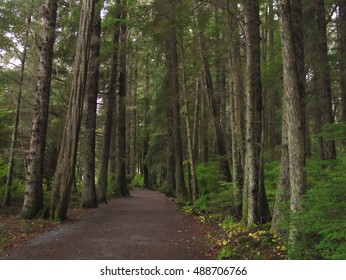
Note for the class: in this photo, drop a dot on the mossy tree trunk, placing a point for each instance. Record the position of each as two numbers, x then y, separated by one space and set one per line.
66 164
291 23
33 198
109 103
89 199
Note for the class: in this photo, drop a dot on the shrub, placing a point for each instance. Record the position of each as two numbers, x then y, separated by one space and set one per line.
138 181
323 223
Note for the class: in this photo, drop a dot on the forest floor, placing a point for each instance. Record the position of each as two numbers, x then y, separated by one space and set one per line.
146 225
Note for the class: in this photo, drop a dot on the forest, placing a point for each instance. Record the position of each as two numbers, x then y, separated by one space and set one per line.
237 109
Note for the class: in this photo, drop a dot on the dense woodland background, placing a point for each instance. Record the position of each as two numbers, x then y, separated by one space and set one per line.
236 108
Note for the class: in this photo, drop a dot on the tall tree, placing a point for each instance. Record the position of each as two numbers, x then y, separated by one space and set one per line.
283 189
189 130
291 23
109 101
89 199
33 199
322 70
237 112
213 103
121 170
255 207
342 38
65 170
9 178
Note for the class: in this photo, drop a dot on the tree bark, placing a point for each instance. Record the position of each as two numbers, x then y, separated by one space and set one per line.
214 108
9 177
236 115
323 74
173 91
342 32
109 118
189 132
121 171
65 170
89 199
291 22
33 198
281 207
146 174
204 145
255 202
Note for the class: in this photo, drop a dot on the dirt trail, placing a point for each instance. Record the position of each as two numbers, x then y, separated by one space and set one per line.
145 226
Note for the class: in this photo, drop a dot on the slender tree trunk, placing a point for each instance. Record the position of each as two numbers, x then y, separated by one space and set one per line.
236 115
65 170
255 201
204 146
181 191
33 198
342 32
291 22
281 207
173 105
196 119
89 199
121 171
171 183
146 130
9 178
323 74
134 124
189 133
112 164
214 108
110 107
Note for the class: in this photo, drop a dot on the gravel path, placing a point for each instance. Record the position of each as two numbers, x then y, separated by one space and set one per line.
145 226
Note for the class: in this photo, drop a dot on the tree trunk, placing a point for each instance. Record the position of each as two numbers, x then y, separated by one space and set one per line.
214 108
255 202
236 115
170 165
281 207
291 22
173 91
323 75
33 198
189 134
342 32
146 131
110 106
9 178
204 145
65 170
121 171
89 199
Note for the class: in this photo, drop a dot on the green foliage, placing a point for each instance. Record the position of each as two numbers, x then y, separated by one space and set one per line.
323 222
220 202
138 181
201 204
208 176
271 179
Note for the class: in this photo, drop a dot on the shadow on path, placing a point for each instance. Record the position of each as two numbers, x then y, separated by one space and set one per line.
145 226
